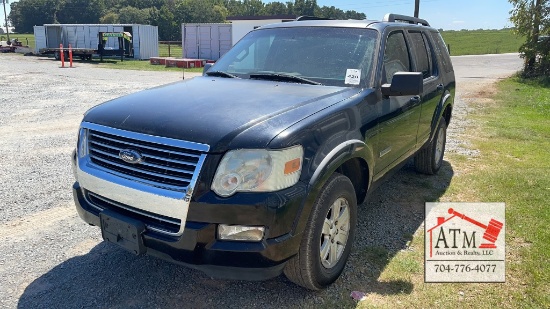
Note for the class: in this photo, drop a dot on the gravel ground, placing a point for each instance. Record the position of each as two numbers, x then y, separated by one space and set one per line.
49 258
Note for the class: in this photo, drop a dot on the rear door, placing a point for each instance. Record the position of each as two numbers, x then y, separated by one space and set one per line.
426 62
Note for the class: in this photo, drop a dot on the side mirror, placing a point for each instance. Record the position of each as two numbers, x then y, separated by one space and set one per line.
206 68
404 83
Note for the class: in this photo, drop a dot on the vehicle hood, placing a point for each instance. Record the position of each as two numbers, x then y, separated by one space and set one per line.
223 113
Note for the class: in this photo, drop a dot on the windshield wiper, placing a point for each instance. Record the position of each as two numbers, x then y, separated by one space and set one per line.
283 77
221 74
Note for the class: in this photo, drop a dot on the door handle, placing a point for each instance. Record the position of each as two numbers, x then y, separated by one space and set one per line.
415 100
440 87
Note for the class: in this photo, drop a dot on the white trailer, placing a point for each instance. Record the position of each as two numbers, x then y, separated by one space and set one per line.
211 41
241 25
205 41
84 38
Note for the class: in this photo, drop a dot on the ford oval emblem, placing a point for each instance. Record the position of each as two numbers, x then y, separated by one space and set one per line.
130 156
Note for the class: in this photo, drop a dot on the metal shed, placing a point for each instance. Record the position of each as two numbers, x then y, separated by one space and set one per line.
144 37
205 41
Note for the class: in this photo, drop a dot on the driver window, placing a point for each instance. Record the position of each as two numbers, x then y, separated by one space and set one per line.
396 57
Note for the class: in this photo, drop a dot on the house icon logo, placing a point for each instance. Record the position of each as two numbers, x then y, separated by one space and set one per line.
492 230
464 242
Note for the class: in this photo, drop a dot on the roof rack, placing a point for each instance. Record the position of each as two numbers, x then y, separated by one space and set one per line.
406 19
305 17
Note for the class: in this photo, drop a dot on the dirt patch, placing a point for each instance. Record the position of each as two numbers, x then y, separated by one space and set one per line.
36 222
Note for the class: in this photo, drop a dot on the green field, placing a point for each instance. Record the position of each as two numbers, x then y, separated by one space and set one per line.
140 65
170 50
511 131
479 42
27 39
465 42
471 42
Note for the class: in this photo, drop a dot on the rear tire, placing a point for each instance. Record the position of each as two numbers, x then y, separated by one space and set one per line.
328 236
429 159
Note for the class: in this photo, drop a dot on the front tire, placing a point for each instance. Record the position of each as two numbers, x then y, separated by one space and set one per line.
429 159
328 237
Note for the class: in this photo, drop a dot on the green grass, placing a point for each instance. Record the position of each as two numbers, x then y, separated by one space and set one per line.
479 42
473 42
518 137
21 37
170 50
141 65
511 129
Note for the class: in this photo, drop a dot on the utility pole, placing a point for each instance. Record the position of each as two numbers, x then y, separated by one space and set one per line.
6 20
416 7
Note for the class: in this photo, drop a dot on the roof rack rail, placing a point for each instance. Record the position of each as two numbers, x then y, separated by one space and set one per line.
305 17
404 18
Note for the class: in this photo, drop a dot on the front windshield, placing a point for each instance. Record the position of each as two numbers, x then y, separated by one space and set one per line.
329 56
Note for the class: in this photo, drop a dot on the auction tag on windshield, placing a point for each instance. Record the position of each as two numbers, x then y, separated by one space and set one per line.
353 77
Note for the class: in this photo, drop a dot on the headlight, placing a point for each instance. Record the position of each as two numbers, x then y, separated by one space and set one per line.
258 170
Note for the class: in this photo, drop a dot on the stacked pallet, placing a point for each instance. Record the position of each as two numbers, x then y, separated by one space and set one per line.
159 60
177 62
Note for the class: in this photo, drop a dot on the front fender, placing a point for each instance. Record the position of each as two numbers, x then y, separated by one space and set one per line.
343 152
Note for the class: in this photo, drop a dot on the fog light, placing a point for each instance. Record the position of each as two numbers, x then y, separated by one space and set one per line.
240 232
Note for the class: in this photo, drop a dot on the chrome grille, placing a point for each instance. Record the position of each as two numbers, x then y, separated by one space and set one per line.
153 221
162 165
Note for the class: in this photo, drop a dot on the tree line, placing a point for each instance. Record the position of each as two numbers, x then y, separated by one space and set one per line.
531 19
168 15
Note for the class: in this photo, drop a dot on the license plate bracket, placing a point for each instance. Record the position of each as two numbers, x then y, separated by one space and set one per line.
123 231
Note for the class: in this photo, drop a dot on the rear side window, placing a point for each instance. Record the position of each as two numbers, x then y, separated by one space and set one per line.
396 56
421 53
442 52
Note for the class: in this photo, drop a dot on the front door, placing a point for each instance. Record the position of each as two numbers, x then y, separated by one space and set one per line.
399 115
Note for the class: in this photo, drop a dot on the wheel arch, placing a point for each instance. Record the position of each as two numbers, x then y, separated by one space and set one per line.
357 170
444 109
352 159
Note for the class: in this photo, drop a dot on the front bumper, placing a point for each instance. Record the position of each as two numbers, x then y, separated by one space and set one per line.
198 246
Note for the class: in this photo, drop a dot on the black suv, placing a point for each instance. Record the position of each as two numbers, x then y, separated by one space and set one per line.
258 166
